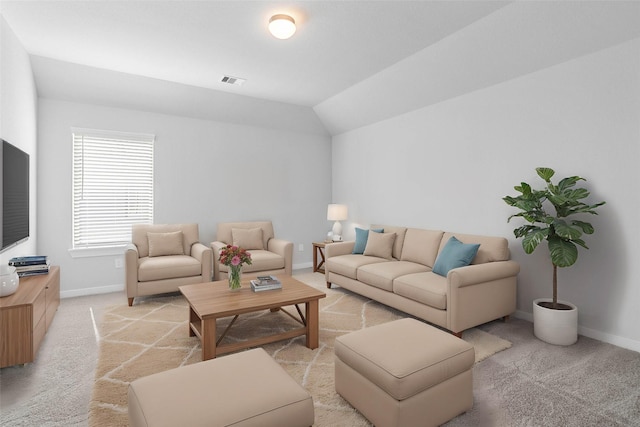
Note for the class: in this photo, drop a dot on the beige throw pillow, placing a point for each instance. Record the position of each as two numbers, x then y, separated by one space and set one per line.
162 244
380 245
247 238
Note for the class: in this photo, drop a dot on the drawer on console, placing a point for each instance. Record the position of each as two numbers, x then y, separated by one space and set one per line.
39 307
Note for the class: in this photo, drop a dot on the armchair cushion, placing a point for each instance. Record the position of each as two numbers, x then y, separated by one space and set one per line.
248 238
270 256
162 244
260 261
168 267
190 235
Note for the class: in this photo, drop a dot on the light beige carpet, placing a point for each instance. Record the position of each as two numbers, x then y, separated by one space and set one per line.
152 337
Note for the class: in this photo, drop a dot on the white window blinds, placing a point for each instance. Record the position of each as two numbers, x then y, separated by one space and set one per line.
112 186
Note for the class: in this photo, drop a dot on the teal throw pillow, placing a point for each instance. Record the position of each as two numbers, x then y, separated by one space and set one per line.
362 236
453 255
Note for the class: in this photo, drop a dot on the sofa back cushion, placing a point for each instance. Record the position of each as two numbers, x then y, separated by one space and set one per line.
491 248
380 245
139 237
397 245
421 246
225 230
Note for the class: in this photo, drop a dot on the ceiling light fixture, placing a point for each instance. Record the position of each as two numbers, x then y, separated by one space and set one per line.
282 26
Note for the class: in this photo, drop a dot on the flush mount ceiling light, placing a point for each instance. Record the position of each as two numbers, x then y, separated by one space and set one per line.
282 26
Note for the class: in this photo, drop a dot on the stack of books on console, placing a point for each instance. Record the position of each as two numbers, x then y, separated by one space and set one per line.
265 283
31 265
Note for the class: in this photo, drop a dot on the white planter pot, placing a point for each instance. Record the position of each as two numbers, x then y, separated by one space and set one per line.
559 327
8 280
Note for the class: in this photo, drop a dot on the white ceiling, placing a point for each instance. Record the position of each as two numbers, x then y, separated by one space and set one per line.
338 43
351 63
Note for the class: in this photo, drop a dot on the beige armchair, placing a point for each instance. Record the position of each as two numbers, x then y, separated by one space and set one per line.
162 257
268 254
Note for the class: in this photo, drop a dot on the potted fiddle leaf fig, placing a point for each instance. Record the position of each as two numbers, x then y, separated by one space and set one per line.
551 214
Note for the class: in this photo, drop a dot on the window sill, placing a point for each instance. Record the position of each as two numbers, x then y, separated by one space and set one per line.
97 252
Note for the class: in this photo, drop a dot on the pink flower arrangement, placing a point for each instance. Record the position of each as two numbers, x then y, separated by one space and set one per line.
234 256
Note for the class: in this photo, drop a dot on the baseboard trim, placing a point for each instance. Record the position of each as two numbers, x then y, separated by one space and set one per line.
92 291
302 265
592 333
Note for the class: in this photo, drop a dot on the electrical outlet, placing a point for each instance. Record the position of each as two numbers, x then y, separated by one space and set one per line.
301 247
118 262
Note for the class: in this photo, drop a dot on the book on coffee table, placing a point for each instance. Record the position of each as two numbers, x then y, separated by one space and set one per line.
258 286
268 280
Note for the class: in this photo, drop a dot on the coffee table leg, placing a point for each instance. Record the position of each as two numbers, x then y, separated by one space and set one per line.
193 320
208 339
313 324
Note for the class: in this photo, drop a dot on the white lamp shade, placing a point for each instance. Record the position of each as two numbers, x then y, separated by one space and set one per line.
282 26
337 212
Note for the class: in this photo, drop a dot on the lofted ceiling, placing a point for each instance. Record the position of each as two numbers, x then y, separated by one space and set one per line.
350 63
337 44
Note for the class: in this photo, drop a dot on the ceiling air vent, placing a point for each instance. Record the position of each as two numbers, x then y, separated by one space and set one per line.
233 80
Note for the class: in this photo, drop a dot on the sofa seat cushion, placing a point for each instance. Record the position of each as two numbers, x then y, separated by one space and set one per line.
426 288
347 265
167 267
381 275
260 261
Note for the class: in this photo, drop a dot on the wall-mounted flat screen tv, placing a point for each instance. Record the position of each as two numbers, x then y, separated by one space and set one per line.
15 195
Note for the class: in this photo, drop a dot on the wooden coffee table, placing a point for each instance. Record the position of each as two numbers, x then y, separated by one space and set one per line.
213 300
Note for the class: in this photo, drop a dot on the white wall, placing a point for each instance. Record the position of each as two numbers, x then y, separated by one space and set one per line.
205 172
18 107
448 165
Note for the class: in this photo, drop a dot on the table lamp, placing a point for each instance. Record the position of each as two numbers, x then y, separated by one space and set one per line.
337 213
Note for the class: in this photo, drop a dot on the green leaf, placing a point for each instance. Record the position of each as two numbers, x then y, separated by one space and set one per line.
557 200
533 238
545 173
524 230
563 253
569 182
577 194
584 226
581 243
566 231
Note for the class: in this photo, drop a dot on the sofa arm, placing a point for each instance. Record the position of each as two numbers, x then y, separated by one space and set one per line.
284 248
339 248
480 293
480 273
203 255
216 247
131 269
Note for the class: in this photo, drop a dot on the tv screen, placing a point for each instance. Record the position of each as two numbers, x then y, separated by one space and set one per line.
15 195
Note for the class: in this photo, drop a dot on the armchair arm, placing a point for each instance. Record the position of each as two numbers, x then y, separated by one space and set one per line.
216 247
203 254
131 269
283 248
339 248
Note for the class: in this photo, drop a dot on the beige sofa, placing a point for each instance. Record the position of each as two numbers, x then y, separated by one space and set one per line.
403 278
268 254
162 257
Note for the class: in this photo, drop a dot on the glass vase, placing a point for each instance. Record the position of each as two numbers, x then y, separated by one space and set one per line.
235 275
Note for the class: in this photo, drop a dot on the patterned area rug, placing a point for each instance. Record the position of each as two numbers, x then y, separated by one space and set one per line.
153 337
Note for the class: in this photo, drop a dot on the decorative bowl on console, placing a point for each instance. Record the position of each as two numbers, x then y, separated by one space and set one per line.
9 280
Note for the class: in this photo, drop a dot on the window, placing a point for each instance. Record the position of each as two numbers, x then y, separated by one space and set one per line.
112 186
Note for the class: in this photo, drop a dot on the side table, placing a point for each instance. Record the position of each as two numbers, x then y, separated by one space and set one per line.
318 248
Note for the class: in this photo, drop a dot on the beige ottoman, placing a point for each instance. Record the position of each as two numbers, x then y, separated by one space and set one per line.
405 373
242 389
